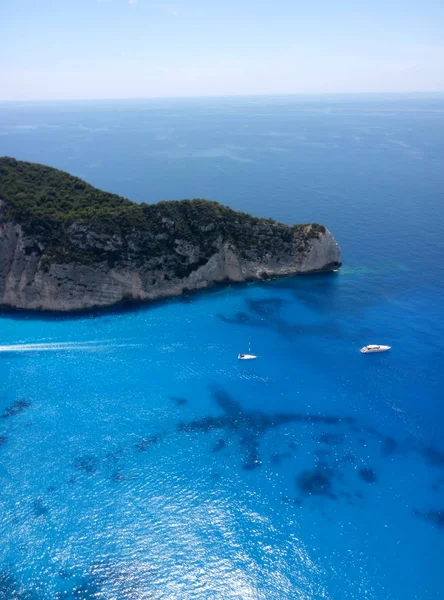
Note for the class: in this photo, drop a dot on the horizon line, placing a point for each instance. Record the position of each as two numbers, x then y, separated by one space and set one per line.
226 96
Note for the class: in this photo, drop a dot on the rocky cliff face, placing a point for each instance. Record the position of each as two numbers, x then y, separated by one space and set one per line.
28 281
57 261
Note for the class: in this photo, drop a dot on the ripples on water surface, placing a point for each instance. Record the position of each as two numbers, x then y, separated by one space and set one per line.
140 459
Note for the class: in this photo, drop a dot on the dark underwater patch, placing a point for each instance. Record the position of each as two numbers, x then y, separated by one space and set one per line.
329 477
3 439
317 482
250 426
250 444
262 313
179 401
265 307
367 474
389 446
241 318
435 517
317 298
126 581
117 476
39 509
16 408
86 589
204 425
143 444
11 588
434 457
86 464
219 445
8 585
76 586
226 402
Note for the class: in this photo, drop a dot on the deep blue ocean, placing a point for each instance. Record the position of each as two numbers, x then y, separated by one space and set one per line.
139 459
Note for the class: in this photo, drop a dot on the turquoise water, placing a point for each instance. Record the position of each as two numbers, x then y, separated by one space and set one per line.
141 460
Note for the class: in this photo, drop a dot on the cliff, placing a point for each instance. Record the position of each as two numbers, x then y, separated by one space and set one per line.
65 245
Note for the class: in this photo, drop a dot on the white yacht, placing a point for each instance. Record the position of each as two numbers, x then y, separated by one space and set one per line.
374 348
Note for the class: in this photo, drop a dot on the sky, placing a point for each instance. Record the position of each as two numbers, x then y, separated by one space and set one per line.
91 49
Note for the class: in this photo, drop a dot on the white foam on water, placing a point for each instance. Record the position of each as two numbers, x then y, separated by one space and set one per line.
88 346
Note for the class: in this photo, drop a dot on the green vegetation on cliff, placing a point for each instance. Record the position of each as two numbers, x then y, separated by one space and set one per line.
50 204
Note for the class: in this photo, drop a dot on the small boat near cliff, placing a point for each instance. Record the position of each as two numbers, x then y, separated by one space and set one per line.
374 348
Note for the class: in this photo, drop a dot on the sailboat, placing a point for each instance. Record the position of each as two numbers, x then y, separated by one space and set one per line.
248 356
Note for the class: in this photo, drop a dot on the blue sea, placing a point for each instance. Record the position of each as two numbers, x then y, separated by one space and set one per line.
139 459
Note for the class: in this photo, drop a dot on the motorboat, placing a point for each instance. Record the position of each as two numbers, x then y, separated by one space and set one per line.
374 348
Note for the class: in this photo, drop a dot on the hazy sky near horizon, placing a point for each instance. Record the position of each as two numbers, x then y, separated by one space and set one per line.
81 49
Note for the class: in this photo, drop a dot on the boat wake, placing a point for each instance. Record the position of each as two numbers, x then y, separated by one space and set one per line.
90 346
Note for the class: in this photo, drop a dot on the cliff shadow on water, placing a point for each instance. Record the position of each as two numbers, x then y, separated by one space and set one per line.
326 279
